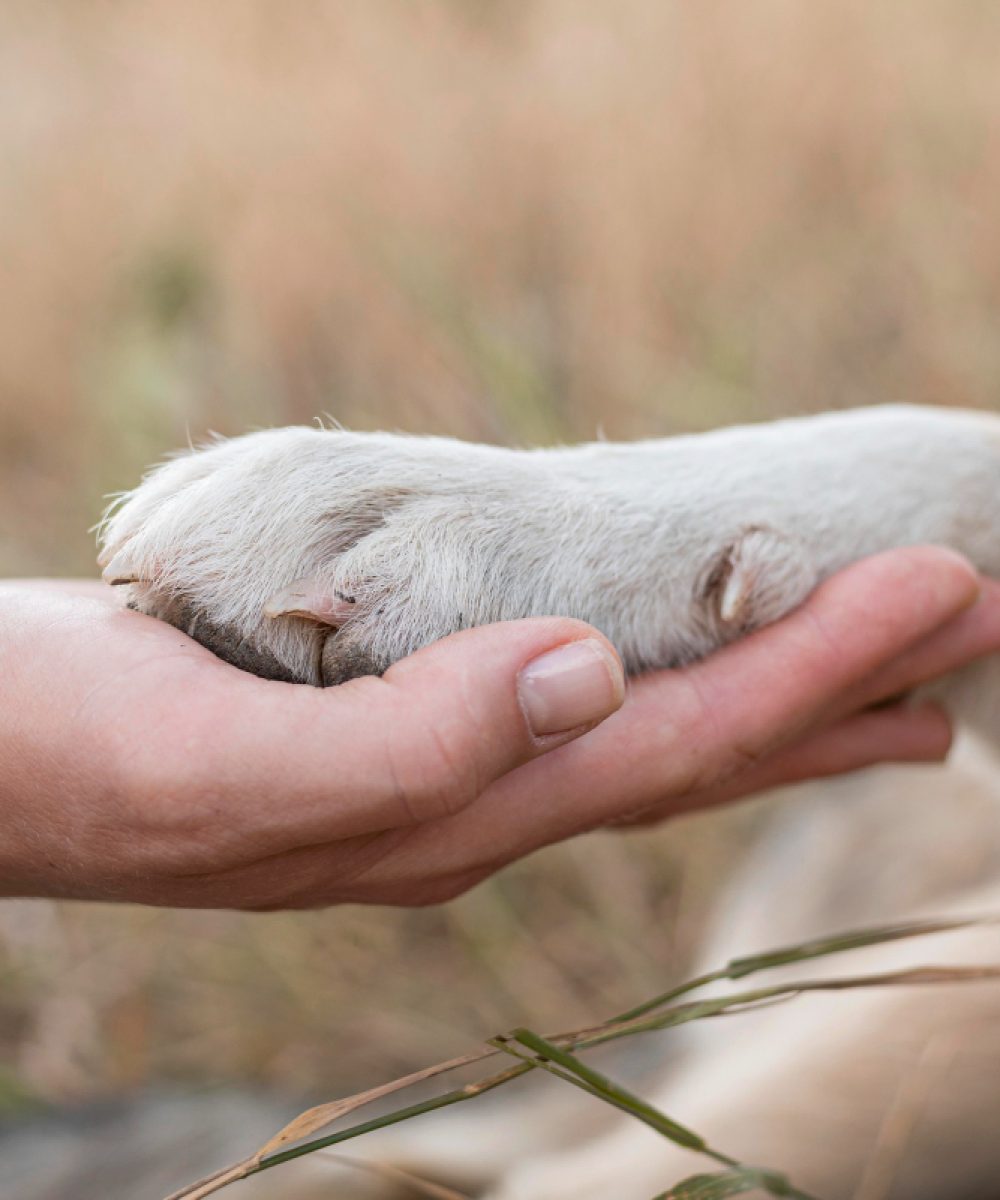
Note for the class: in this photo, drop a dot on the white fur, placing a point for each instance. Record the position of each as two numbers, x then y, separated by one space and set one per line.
670 547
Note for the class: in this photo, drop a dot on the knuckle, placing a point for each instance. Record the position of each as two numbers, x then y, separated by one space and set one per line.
432 775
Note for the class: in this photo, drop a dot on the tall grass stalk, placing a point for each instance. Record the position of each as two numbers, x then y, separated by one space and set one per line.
555 1055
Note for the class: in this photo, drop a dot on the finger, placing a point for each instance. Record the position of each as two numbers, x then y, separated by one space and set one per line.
899 734
362 870
972 635
478 704
421 742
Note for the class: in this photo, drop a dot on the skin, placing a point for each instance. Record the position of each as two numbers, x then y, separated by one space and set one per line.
138 767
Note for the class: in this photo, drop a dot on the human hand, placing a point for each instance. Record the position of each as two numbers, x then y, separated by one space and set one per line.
139 767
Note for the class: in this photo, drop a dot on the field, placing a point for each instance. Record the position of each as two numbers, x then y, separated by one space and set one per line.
521 223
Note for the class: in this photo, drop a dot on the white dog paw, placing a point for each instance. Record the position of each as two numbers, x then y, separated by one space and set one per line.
314 555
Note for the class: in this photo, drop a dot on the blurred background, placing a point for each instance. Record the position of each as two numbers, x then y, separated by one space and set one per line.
507 221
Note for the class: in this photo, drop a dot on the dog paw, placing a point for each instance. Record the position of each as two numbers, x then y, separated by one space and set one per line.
316 555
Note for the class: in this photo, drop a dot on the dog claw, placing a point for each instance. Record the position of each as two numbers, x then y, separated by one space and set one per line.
118 569
310 599
735 598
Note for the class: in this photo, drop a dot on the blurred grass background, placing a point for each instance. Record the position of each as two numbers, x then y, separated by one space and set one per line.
515 222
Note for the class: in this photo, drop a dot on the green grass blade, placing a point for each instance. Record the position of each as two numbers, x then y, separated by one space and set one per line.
608 1089
555 1056
856 939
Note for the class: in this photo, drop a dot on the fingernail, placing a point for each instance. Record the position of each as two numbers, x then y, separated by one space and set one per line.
577 684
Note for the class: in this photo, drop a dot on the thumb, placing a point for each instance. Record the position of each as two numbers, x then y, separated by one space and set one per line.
459 714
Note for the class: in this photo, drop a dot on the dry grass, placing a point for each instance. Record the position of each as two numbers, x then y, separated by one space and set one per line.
517 222
558 1055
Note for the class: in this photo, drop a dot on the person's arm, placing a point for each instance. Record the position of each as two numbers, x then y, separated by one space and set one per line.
136 766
